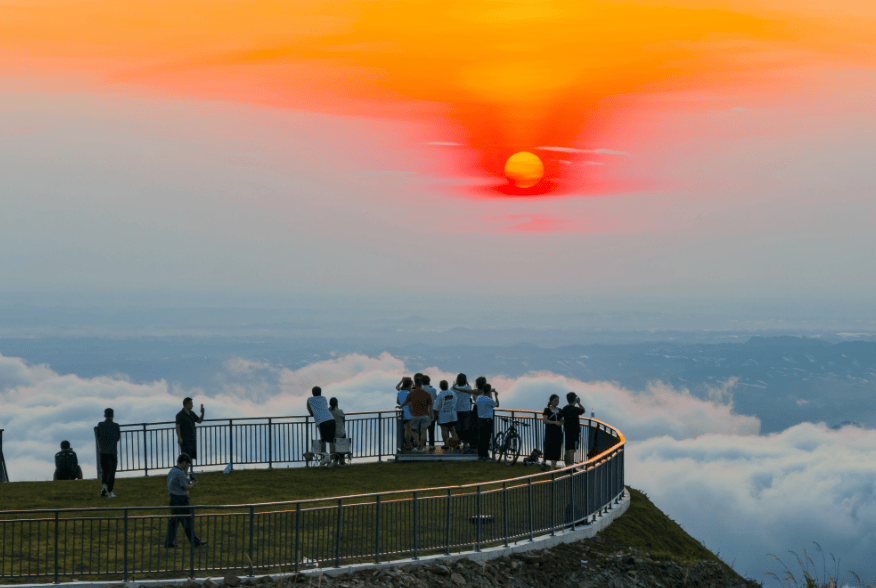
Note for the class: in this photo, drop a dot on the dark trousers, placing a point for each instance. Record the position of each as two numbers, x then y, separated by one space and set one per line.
485 433
182 514
108 464
432 431
462 425
190 448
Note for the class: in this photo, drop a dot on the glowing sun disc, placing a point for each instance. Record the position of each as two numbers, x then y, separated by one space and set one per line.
524 169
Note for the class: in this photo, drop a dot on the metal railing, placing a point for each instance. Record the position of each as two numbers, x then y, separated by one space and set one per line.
271 441
4 475
113 543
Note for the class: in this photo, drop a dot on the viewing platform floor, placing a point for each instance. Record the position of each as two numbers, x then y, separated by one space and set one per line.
437 455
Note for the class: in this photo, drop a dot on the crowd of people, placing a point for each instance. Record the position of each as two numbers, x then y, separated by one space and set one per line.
465 415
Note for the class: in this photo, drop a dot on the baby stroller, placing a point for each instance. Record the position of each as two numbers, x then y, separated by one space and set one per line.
533 458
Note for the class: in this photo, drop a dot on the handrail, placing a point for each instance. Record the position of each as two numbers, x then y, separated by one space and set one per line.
265 440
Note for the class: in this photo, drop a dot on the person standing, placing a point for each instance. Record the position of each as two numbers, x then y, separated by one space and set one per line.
67 464
446 411
185 431
572 426
178 486
108 435
485 405
404 388
553 432
420 402
340 425
318 408
463 408
427 386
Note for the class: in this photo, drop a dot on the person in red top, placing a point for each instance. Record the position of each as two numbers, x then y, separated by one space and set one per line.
421 411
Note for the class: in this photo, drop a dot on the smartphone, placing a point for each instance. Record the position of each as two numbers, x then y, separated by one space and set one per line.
202 407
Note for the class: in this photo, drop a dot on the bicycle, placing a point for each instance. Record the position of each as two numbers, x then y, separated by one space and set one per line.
507 443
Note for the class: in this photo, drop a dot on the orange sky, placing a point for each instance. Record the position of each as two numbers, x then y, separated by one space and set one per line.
497 76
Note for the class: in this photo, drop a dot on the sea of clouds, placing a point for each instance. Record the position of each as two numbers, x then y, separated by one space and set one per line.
742 494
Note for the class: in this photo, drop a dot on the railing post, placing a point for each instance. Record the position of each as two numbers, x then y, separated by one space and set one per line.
3 475
146 453
338 536
479 521
380 437
505 510
377 531
231 441
125 547
447 531
553 502
610 484
56 547
415 526
270 444
251 530
192 544
297 534
531 534
97 454
571 504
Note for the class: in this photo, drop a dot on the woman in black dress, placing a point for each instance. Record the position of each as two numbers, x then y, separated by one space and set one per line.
553 433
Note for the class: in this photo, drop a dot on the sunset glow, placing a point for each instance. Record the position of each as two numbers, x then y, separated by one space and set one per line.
501 77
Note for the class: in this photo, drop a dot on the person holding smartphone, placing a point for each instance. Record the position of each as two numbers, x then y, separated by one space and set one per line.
185 431
178 486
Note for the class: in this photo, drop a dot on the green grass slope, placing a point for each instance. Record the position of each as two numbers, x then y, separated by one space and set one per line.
646 528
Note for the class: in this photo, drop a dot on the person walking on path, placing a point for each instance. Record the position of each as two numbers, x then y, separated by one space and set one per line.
318 408
485 405
553 433
108 435
185 431
67 464
572 426
178 486
420 402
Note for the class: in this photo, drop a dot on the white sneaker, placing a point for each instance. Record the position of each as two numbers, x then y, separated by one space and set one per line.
111 495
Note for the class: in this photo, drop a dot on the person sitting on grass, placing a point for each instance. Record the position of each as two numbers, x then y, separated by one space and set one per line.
340 426
67 464
420 402
446 411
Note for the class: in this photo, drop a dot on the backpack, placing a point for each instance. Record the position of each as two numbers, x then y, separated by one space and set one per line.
66 463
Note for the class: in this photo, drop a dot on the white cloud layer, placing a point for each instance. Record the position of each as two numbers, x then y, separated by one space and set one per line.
743 494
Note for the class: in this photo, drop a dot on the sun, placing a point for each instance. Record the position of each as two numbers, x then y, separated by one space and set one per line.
524 169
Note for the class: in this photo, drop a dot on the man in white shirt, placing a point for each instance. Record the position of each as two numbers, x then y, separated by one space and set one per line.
318 408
